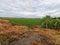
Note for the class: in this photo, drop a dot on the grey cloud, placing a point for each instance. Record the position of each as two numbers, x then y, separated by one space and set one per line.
11 8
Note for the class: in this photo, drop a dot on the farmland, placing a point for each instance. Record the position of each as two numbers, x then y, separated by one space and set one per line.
25 21
30 31
45 22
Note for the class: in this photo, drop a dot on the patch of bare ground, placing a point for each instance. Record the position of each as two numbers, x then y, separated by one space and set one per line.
23 35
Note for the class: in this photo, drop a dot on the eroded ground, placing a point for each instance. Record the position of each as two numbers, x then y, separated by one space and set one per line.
22 35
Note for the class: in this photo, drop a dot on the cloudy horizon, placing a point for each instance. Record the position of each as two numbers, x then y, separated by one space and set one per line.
29 8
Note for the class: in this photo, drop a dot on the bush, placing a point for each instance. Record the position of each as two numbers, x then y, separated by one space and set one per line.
51 22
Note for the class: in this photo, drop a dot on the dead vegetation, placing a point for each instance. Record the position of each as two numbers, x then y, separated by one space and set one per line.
20 35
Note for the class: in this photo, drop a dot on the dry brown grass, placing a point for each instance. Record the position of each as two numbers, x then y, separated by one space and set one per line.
10 33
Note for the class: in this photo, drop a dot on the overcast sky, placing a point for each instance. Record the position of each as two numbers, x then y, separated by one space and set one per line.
29 8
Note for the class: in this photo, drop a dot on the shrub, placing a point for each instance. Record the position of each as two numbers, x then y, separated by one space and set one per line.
51 22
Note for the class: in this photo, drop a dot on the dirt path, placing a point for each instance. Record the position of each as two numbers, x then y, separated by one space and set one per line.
31 39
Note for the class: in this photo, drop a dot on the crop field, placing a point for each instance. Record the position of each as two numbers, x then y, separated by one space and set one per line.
45 22
25 21
30 31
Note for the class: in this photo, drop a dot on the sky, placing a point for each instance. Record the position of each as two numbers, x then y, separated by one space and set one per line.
29 8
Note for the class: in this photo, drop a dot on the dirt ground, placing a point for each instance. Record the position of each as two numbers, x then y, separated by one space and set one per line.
22 35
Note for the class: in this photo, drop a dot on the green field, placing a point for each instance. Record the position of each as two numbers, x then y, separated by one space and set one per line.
25 21
45 22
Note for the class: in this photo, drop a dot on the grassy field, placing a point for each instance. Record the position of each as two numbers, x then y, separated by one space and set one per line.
45 22
25 21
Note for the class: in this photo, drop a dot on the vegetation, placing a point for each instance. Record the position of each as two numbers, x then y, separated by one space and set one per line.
25 21
50 22
45 22
11 34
